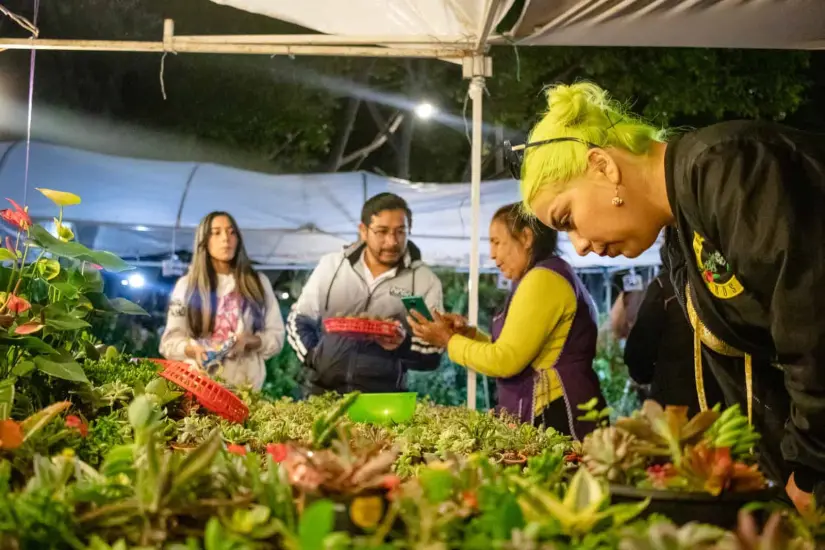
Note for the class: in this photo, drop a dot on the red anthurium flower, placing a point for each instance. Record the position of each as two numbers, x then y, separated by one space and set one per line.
16 216
17 305
278 451
28 328
74 422
239 450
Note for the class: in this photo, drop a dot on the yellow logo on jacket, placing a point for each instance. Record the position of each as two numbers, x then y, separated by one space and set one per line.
716 271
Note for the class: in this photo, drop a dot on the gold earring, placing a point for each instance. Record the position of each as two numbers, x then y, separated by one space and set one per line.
617 200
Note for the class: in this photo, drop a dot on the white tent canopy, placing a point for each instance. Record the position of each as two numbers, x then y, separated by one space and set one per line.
433 20
140 209
791 24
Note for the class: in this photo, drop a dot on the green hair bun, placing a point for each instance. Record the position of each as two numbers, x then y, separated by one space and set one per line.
573 105
585 113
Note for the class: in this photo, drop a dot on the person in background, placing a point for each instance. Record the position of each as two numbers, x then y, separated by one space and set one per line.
368 277
222 296
623 313
542 344
659 350
747 200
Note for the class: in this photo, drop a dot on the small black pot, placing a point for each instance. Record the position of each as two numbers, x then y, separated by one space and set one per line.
683 506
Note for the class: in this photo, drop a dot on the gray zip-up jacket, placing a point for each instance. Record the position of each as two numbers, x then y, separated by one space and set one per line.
339 286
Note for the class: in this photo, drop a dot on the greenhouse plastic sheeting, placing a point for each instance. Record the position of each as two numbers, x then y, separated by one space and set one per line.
140 209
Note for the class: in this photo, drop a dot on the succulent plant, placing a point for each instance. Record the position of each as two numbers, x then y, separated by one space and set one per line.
610 453
732 430
584 505
714 470
665 432
339 469
776 535
666 536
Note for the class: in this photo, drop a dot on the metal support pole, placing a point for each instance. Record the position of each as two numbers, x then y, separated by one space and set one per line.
477 96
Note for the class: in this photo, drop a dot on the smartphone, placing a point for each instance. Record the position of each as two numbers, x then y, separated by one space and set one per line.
417 303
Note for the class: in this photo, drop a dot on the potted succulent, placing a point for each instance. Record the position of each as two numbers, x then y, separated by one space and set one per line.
698 469
356 481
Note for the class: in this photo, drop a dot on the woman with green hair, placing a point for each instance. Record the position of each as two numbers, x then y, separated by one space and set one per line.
747 259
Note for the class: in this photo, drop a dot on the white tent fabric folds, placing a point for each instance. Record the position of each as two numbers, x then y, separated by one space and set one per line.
791 24
776 24
144 209
436 19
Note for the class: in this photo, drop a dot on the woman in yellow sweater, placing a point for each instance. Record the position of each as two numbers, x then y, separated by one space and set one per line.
542 344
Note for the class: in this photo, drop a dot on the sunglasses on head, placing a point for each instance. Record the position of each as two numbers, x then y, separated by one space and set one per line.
514 154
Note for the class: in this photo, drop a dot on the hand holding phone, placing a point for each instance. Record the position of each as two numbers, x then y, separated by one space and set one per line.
417 303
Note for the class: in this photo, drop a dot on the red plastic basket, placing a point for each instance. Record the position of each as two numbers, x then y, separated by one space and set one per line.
355 326
209 393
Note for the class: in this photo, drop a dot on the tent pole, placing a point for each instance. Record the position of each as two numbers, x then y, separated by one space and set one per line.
477 97
446 53
476 68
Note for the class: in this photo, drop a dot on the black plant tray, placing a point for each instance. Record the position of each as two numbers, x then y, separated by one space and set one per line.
683 507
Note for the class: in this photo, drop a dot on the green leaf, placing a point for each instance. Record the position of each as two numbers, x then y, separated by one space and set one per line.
161 391
23 368
91 351
35 422
30 343
508 516
76 251
6 255
141 413
438 484
66 289
118 460
127 307
87 280
215 537
67 371
100 302
197 461
66 322
316 523
7 397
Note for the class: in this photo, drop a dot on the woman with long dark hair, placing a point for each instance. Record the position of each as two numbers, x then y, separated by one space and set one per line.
542 344
223 297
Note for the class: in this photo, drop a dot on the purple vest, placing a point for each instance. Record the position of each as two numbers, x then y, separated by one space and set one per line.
574 365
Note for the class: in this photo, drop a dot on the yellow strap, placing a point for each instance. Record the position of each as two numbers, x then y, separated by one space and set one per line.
749 385
698 373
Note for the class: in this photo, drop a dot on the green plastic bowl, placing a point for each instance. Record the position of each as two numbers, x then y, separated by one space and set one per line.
383 408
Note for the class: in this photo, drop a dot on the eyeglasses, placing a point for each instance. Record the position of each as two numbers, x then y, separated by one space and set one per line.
514 154
383 232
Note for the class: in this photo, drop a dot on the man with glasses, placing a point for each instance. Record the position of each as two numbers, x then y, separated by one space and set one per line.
368 277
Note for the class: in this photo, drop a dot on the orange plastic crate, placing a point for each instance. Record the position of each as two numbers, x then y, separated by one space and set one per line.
350 325
209 393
